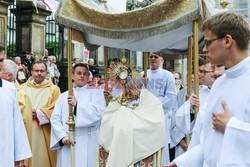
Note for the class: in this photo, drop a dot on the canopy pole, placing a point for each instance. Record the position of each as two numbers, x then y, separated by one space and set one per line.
145 65
102 154
189 75
105 50
71 121
189 67
196 61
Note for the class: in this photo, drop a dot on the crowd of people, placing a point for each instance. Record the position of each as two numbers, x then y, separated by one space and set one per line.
142 120
25 62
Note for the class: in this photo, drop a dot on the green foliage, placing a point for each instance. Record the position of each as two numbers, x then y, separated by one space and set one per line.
11 50
53 47
135 4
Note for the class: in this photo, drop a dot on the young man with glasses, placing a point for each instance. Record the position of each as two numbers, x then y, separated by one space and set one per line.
207 80
225 132
183 120
217 71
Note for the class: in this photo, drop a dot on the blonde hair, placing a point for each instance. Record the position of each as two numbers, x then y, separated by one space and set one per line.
229 23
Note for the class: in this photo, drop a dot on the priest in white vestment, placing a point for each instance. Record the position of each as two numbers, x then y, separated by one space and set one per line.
14 146
89 105
133 125
225 132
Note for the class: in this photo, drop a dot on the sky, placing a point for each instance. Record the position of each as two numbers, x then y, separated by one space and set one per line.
120 5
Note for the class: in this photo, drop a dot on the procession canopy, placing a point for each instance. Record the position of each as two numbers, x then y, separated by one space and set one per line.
163 25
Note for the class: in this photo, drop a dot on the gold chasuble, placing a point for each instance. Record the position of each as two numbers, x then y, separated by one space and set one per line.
43 97
26 110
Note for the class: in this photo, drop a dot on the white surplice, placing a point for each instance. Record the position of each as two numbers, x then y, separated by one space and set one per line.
90 108
182 115
162 84
14 141
181 122
196 132
231 148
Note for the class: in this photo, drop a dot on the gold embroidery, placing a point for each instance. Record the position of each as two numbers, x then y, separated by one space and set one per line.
153 14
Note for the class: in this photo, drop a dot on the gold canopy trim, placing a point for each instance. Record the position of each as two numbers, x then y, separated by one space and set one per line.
153 14
160 17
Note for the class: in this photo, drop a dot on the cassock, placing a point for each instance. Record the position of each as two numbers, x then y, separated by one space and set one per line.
182 124
182 115
88 114
43 97
131 134
162 84
176 134
196 132
231 148
14 142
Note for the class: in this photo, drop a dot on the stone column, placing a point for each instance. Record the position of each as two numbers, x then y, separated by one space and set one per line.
31 28
3 20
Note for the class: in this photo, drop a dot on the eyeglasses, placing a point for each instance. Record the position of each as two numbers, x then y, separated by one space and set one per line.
41 71
209 42
83 73
204 71
155 57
